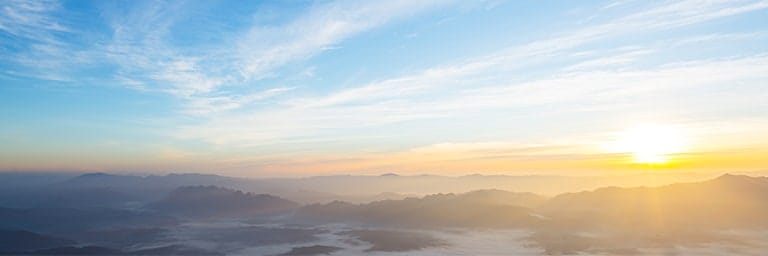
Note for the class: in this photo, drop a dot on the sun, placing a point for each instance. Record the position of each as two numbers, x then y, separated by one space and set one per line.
651 144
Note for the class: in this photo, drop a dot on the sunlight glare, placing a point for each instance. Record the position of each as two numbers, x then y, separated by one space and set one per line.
651 144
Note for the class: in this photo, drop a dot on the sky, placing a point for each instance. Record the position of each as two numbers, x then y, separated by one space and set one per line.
291 88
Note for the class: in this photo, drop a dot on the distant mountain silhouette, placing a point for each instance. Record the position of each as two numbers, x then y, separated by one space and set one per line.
212 201
432 184
474 209
121 191
152 182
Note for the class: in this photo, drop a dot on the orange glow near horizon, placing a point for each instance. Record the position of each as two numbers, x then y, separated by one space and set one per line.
659 147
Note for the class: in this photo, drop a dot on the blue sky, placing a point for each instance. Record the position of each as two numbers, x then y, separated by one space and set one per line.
276 88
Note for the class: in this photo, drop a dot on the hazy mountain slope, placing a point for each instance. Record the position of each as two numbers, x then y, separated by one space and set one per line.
727 209
476 209
212 201
729 201
501 197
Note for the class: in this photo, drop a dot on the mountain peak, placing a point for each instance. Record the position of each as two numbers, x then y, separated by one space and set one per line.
740 180
733 177
94 175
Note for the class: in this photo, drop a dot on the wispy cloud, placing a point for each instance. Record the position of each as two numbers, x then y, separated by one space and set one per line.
31 20
262 48
35 30
516 57
569 92
205 105
623 57
487 82
140 47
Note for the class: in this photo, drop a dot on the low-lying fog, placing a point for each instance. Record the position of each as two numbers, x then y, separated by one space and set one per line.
234 238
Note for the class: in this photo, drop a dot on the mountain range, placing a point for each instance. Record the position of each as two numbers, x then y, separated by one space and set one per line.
115 213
